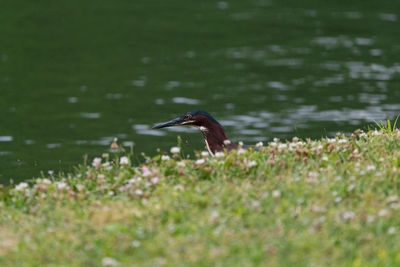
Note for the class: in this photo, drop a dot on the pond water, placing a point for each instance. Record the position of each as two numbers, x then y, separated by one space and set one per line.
74 75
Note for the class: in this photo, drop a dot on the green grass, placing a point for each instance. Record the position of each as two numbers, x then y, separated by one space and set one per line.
330 202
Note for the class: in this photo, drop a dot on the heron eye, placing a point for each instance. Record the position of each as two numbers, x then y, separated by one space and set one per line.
188 117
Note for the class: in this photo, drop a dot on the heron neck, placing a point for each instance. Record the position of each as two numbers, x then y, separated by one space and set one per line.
215 138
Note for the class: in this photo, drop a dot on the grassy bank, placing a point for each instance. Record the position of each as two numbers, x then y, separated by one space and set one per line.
330 202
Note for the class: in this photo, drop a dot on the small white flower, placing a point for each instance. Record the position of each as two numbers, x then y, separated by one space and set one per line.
200 161
135 243
252 163
181 164
124 161
219 154
273 144
342 141
276 193
392 230
348 215
155 180
338 199
320 147
260 144
282 146
241 151
50 172
138 192
109 262
362 135
371 168
227 142
21 187
276 140
96 163
61 185
204 153
46 181
165 157
175 150
179 187
79 187
383 212
351 187
240 143
110 193
325 158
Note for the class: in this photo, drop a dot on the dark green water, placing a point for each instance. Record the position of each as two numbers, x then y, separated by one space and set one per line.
76 74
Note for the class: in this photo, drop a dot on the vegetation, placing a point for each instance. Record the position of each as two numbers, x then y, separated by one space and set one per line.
330 202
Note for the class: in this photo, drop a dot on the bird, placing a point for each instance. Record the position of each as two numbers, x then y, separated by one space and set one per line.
214 135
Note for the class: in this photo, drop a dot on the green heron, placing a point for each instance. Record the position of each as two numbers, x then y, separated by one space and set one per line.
213 133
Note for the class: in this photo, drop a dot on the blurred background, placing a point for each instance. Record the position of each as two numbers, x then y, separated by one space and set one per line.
76 74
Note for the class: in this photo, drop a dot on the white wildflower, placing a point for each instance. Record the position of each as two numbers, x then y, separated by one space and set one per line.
124 161
371 168
135 244
282 146
338 199
155 180
392 230
181 164
325 158
227 142
351 187
295 139
175 150
381 159
46 181
276 193
219 154
204 153
138 192
362 135
165 157
252 163
383 213
109 262
96 163
240 143
273 144
241 151
260 144
61 185
276 140
200 161
392 198
179 187
371 218
348 215
21 186
50 172
79 187
110 193
342 141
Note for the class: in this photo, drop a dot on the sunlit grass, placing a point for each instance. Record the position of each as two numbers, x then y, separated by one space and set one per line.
329 202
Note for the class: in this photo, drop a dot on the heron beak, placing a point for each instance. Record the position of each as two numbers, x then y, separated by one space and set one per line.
175 122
